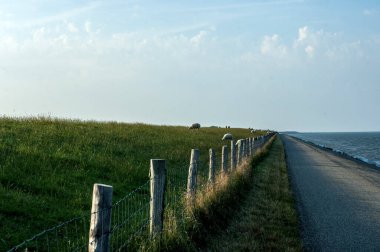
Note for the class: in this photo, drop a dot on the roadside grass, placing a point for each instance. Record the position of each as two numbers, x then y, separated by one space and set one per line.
48 166
263 217
214 208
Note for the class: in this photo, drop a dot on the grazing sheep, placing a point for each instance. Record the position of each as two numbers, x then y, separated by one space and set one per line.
227 136
195 126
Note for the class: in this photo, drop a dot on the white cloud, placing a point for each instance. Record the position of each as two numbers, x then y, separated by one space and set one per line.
302 33
87 26
39 34
308 40
197 39
309 51
8 44
71 27
270 46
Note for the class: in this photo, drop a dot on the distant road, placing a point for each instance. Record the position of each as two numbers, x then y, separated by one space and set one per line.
338 199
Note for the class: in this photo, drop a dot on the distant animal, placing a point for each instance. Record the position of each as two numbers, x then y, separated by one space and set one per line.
227 136
195 126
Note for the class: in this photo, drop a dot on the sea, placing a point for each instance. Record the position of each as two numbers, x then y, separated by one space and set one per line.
364 146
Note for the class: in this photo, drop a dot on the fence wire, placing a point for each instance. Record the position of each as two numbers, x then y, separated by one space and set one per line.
71 235
130 219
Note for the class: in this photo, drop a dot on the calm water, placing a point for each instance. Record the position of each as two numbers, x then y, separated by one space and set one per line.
361 145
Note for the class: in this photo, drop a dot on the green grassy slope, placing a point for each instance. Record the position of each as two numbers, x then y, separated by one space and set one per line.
48 167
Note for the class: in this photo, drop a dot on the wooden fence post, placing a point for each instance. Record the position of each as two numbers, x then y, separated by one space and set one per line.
257 142
246 147
239 151
225 159
157 194
100 226
242 149
253 145
252 142
192 177
233 155
250 146
211 172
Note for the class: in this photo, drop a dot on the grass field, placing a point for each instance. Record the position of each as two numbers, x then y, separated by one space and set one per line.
48 166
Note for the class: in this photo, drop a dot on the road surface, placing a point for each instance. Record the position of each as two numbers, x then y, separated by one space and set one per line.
338 199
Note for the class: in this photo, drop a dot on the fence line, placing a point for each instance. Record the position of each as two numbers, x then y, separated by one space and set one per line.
139 216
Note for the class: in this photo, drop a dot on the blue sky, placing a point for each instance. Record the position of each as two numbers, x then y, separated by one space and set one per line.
282 64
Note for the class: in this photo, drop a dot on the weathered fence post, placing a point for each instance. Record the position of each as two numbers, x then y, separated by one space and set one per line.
242 149
100 226
253 145
225 159
157 193
246 147
250 146
192 177
258 142
233 155
211 172
239 151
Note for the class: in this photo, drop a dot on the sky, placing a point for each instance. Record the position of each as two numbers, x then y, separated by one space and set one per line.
303 65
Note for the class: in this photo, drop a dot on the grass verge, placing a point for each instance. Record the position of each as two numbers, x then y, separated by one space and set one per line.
250 210
266 219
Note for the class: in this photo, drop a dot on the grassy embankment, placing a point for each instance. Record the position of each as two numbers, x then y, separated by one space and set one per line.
48 167
254 211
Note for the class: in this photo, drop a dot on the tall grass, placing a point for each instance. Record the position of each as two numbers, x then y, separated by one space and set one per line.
214 207
48 166
264 218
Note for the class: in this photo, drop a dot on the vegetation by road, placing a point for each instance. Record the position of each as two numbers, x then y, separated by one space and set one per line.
263 216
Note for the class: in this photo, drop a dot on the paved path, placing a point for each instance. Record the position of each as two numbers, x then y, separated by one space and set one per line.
338 199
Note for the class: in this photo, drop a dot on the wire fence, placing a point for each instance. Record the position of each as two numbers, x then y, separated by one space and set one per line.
130 219
71 235
129 227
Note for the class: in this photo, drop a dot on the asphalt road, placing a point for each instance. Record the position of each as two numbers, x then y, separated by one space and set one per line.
338 199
